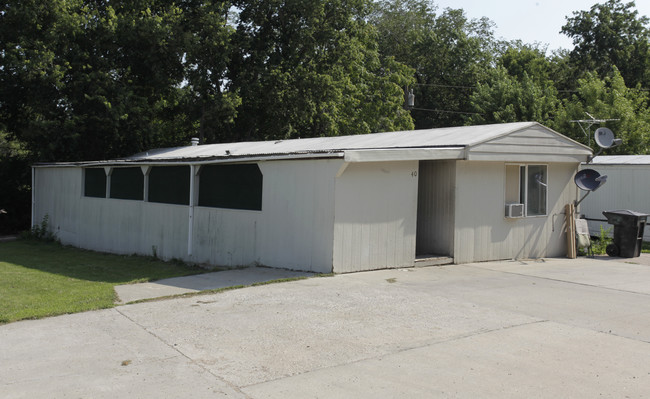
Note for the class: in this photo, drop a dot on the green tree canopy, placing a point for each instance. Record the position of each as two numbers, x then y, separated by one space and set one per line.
88 80
507 98
205 47
311 68
519 59
98 79
609 98
518 89
449 52
611 34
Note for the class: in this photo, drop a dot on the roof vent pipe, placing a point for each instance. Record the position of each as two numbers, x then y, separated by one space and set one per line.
195 141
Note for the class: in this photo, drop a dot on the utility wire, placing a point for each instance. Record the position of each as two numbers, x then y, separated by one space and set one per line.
474 87
450 86
447 112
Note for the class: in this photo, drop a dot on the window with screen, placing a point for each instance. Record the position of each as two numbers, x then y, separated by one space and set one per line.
127 183
536 190
95 182
231 186
169 184
527 185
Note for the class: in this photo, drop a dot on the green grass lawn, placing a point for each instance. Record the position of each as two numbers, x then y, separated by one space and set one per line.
39 279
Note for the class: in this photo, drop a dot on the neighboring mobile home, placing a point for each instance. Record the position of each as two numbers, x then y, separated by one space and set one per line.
627 187
334 204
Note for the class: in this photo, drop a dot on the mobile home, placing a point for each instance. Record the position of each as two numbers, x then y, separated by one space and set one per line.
627 187
333 204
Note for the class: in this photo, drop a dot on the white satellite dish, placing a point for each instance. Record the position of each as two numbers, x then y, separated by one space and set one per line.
605 138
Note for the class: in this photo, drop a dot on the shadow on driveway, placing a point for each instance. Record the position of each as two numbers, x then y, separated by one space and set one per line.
200 282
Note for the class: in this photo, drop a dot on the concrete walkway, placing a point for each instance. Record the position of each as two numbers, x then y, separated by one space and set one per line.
536 329
200 282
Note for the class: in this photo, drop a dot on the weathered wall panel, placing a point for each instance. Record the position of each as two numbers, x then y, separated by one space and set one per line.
436 201
110 225
483 233
57 194
627 187
293 230
375 216
225 237
133 227
298 214
312 220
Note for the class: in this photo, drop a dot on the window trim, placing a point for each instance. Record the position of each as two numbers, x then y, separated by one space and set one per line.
523 167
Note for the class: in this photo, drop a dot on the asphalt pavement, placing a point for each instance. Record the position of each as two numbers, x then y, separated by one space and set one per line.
535 329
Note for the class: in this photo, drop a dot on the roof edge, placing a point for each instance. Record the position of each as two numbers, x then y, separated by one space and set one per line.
194 161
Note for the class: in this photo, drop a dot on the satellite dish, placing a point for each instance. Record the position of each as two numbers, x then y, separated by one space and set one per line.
605 138
589 180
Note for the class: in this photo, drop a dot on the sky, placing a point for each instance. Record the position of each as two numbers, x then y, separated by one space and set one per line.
530 20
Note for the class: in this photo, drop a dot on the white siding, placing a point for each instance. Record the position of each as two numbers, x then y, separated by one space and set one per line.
225 237
366 218
133 227
110 225
436 192
627 187
483 233
534 144
375 222
298 214
294 229
57 194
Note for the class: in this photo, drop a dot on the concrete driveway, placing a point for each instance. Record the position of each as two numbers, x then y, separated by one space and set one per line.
538 329
200 282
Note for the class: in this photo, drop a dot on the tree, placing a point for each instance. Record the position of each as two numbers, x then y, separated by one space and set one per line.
522 59
15 180
450 55
611 34
609 98
206 46
103 79
401 24
518 89
311 68
506 98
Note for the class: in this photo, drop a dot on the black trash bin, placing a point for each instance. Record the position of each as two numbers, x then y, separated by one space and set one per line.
628 232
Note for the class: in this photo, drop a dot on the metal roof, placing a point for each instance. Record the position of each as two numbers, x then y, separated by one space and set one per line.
621 160
440 143
460 136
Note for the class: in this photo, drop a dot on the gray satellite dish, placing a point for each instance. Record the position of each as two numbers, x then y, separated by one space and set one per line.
589 180
605 138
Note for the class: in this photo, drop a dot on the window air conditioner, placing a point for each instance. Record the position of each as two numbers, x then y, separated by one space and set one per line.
514 210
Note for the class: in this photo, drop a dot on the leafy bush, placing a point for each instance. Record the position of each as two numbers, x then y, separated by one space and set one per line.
41 231
598 245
